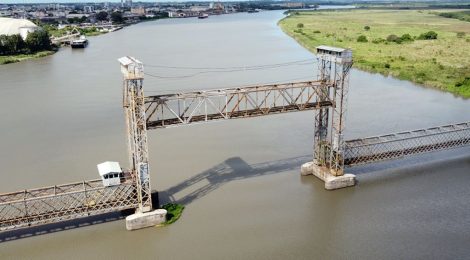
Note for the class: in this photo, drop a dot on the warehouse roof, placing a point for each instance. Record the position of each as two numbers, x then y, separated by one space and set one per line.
10 26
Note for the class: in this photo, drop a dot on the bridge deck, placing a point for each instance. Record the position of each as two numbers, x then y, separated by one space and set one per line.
62 202
391 146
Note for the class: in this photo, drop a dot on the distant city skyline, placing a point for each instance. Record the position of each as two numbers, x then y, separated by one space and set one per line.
96 1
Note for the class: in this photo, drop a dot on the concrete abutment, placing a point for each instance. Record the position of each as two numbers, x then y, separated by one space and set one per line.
331 182
140 220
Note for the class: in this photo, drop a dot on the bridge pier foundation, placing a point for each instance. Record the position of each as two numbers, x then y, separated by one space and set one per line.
140 220
331 182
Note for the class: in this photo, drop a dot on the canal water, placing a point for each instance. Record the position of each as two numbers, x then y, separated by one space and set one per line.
240 181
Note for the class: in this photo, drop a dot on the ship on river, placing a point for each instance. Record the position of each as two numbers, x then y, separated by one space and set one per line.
81 42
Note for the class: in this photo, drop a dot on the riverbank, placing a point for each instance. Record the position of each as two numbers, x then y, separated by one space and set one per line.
21 57
442 63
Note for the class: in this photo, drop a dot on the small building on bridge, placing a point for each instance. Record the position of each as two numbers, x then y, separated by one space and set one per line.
335 54
110 173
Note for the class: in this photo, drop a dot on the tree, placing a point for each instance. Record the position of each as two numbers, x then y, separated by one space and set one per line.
367 27
12 44
116 17
38 41
102 16
300 25
83 19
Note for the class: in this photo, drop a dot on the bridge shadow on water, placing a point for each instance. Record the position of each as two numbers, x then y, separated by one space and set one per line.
231 169
234 169
62 226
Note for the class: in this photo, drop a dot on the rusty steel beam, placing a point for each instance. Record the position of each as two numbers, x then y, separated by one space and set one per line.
172 110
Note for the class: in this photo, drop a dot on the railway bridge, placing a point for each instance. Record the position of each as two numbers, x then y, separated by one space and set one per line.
326 96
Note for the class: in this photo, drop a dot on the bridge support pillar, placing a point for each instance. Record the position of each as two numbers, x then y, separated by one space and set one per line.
331 182
140 220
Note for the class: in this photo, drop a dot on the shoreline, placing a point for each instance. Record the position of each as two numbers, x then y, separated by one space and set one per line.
370 65
9 59
23 57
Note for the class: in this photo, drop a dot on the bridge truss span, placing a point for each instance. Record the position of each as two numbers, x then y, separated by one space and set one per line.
392 146
220 104
64 202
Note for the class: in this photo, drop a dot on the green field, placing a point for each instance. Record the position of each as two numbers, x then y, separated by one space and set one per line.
442 63
21 57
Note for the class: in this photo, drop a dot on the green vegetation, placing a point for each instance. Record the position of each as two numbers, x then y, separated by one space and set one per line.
431 35
174 212
5 59
54 31
462 15
362 38
413 45
13 48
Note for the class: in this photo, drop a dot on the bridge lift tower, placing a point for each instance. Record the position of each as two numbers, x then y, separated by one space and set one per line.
334 65
134 108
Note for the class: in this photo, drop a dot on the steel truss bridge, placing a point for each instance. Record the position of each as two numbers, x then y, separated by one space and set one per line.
326 96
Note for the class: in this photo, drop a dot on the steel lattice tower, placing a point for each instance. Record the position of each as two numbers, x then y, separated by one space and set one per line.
134 107
334 65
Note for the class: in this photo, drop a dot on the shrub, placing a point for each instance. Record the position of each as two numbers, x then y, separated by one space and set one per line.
362 38
367 27
378 40
406 38
300 25
431 35
460 34
394 38
387 65
316 31
462 82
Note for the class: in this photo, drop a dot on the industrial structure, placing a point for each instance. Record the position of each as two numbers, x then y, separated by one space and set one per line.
131 189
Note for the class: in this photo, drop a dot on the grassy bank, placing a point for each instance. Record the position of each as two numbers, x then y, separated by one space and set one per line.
174 212
442 63
21 57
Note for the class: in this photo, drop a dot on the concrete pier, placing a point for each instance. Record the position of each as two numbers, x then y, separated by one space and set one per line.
142 220
331 182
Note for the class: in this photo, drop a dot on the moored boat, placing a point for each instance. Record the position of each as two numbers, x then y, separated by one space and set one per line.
203 16
82 42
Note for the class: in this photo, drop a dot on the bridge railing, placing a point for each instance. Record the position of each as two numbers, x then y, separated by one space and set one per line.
62 202
391 146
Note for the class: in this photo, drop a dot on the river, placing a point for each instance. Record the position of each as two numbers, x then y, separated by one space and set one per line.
240 180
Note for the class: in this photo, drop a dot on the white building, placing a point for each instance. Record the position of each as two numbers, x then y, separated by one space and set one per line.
110 173
88 9
11 26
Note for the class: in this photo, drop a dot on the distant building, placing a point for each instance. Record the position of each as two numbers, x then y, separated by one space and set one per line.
138 10
5 13
293 5
198 8
88 9
11 26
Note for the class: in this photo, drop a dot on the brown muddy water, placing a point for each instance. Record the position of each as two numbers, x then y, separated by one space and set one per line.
245 199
